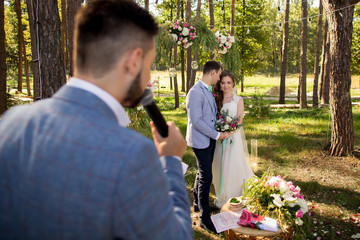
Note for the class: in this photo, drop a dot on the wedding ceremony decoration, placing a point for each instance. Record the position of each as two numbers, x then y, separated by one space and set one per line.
182 33
225 41
274 197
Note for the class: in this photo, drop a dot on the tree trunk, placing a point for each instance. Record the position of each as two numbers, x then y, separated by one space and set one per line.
323 56
212 22
182 52
340 31
188 50
326 74
3 99
176 89
195 58
26 70
303 97
51 58
284 53
20 44
242 44
147 5
64 33
317 55
232 19
31 7
72 7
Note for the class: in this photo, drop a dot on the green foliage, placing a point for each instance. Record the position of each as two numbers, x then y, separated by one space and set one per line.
164 44
232 62
355 47
205 37
258 107
139 121
11 34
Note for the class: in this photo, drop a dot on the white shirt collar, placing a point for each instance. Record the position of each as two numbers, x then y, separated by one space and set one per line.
112 103
203 83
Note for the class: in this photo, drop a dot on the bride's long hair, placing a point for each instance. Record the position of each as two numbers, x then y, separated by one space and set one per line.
219 94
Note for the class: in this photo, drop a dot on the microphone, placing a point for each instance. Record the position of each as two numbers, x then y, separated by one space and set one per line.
153 111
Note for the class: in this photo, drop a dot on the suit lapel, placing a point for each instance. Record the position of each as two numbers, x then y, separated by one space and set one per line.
208 96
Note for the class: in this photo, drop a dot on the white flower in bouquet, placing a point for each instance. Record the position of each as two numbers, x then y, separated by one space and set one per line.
284 188
174 37
217 34
228 119
185 31
180 28
298 221
226 127
277 200
290 199
179 42
223 39
303 205
185 40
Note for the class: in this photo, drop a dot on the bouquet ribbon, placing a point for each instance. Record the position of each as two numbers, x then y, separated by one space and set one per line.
224 164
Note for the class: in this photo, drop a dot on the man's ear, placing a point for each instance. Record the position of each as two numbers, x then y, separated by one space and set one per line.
134 60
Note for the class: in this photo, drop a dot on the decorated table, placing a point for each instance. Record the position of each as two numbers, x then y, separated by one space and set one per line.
250 233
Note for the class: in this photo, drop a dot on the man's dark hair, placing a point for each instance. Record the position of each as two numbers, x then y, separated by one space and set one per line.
106 29
211 65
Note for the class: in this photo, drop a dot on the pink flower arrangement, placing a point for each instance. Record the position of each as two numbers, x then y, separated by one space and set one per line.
182 33
225 41
277 198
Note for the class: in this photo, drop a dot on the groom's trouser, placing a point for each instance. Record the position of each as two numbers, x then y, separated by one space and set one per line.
204 159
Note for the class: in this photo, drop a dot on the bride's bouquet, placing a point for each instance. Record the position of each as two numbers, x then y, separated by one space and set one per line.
226 123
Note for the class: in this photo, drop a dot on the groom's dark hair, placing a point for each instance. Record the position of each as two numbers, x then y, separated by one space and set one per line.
211 65
106 29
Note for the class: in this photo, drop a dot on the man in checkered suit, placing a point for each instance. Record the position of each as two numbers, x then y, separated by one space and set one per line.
70 169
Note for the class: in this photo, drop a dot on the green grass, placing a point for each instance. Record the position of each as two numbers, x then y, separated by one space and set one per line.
292 143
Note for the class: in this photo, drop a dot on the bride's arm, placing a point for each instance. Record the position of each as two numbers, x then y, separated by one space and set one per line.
240 110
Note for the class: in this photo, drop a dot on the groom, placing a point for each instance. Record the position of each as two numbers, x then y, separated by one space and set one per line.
201 136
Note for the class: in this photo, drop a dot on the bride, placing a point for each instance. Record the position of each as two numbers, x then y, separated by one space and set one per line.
231 170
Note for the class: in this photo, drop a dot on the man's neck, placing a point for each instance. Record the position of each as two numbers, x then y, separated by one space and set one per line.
206 80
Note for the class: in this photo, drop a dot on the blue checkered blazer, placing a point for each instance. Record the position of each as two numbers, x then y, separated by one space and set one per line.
69 171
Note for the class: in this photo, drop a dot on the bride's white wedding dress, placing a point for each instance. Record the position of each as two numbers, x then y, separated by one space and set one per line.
234 170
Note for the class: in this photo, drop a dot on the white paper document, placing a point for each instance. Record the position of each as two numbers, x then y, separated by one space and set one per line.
226 220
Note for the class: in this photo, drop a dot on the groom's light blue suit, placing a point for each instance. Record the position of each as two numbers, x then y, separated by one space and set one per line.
69 171
201 109
201 135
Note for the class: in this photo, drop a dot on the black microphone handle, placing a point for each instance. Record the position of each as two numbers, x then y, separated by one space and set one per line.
157 118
